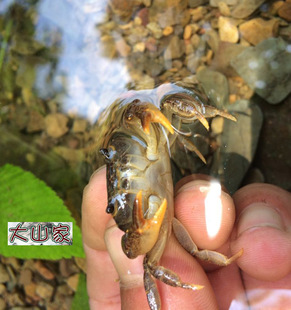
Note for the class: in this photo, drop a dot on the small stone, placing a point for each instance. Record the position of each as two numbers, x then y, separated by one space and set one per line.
245 8
228 29
266 69
79 125
155 29
187 32
81 263
25 276
2 289
151 44
14 262
72 281
30 290
56 125
197 14
122 47
215 86
217 125
44 290
285 11
43 271
4 275
223 8
275 6
168 30
35 122
143 14
139 47
2 304
175 49
258 29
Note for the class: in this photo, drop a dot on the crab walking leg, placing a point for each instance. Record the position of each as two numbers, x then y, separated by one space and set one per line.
205 255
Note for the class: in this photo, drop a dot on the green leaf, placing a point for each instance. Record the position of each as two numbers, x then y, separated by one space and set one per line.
81 299
25 198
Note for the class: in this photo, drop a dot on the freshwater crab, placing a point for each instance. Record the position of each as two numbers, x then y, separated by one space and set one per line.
138 133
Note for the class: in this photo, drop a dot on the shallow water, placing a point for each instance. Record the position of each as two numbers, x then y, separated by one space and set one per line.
63 62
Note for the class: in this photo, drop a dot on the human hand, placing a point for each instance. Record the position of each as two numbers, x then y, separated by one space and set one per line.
259 279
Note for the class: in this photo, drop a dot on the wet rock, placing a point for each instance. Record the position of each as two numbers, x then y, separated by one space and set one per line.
81 263
123 9
44 290
56 125
72 281
223 8
222 63
4 275
215 3
35 122
285 11
215 86
168 30
122 47
258 29
25 277
238 144
195 3
175 49
30 290
266 69
43 271
245 8
155 29
228 29
79 125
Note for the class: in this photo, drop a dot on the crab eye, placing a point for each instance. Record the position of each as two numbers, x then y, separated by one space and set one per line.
110 208
105 153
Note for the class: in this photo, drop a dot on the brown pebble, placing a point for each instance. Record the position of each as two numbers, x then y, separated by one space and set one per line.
168 30
122 47
25 277
285 11
30 290
56 125
187 32
43 271
257 30
72 281
44 290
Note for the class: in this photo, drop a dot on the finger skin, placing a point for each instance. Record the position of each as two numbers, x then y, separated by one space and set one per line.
265 266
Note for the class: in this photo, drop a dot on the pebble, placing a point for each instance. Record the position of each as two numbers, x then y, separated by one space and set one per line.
155 29
223 8
25 277
72 281
122 47
245 8
43 271
187 32
79 125
266 69
30 290
215 86
175 49
35 122
168 30
258 29
56 125
44 290
228 29
4 275
285 11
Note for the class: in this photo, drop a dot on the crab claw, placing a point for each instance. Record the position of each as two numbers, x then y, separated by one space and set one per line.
145 231
154 115
148 113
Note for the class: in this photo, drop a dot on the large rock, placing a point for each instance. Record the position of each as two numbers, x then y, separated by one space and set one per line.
266 68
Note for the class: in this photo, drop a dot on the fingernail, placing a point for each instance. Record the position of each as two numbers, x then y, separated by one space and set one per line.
130 271
201 184
259 215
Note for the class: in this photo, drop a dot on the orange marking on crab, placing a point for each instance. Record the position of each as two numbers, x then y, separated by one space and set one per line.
153 115
148 229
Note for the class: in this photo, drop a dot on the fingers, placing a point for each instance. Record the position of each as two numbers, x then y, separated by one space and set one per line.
264 231
207 212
